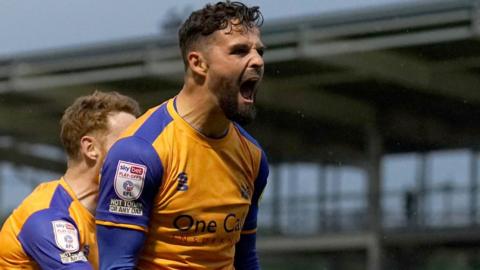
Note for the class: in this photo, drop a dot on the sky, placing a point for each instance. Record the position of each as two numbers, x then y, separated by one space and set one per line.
48 24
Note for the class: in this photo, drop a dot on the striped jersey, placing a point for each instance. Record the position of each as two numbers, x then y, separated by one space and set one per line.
50 229
193 195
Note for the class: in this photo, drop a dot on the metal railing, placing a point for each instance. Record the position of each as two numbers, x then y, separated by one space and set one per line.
437 207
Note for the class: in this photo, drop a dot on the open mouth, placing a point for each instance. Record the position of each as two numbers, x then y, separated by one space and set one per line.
248 89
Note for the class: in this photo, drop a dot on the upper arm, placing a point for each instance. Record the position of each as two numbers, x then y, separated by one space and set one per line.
245 250
53 241
117 252
259 186
131 175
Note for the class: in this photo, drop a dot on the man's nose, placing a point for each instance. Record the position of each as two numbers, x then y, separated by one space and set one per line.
257 61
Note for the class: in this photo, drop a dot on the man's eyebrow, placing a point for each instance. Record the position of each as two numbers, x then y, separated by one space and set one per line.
240 44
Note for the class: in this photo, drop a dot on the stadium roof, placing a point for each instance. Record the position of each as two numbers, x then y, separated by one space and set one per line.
408 73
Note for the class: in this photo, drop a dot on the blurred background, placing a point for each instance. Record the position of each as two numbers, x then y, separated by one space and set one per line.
368 113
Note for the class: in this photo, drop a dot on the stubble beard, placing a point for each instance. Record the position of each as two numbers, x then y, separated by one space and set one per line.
233 110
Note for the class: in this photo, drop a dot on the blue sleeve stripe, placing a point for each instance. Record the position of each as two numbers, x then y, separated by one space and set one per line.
38 240
245 253
118 248
155 124
134 150
259 186
61 199
247 135
261 180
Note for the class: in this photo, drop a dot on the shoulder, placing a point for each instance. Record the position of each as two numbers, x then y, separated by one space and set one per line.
132 145
39 199
48 225
51 238
258 151
140 138
48 202
151 125
134 150
46 216
42 194
247 136
256 145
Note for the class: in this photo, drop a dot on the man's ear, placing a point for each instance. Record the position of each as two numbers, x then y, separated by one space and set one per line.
197 63
89 148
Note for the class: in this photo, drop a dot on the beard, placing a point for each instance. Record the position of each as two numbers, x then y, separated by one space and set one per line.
233 110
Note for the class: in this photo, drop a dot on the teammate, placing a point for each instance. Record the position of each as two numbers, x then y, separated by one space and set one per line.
54 227
180 190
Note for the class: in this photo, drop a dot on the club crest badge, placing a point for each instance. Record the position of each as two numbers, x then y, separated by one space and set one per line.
129 180
66 235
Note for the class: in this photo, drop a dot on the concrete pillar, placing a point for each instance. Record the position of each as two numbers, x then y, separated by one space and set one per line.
375 252
322 198
275 182
473 187
422 174
294 216
375 152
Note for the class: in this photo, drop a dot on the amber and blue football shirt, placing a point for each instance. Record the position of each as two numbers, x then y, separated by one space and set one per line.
50 229
193 195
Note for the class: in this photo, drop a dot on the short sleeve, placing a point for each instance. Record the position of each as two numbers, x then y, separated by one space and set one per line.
130 178
259 186
52 240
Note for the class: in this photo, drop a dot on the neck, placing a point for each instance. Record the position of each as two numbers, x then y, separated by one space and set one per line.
199 107
83 180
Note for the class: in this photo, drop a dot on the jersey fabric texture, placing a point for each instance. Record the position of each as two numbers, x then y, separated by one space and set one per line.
50 229
193 195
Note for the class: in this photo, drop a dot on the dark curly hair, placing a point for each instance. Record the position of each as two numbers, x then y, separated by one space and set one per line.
211 18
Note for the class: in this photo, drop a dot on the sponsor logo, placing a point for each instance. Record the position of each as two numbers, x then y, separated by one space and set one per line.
136 170
125 207
231 223
182 182
66 236
129 180
68 239
128 186
69 226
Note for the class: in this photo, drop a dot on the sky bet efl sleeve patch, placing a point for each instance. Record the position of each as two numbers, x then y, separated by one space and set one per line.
51 238
129 180
128 184
66 235
66 238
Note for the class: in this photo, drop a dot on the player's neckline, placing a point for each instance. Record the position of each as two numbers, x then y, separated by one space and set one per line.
203 136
